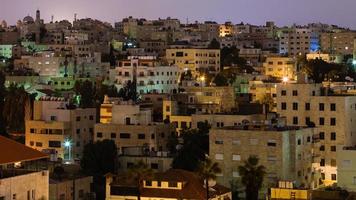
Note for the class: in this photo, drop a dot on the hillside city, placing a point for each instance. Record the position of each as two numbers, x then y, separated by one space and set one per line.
161 109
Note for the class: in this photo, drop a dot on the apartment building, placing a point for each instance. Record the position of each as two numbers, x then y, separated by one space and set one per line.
226 29
296 41
59 128
346 167
280 67
131 125
285 151
18 177
334 117
150 75
330 58
172 184
341 42
195 60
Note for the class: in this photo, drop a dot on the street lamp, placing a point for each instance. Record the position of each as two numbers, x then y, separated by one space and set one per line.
68 145
354 62
285 79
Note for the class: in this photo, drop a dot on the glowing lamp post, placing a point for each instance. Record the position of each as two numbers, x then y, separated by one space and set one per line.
68 145
285 79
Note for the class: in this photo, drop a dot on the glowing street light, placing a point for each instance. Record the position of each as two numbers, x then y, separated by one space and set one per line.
68 145
354 62
285 79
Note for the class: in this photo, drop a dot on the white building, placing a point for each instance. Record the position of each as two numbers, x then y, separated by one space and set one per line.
150 75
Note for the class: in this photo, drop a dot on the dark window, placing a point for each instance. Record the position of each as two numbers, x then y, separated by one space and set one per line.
299 141
295 93
322 162
148 183
295 106
333 107
307 106
153 136
283 93
91 117
333 136
141 136
308 139
32 130
154 165
295 120
125 135
172 184
162 135
284 106
113 135
307 120
333 177
168 108
322 148
321 106
54 144
99 134
183 125
38 144
321 121
78 130
158 183
332 121
332 148
53 118
271 144
322 135
219 142
78 118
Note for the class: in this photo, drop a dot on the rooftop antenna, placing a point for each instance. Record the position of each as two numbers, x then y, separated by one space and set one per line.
52 18
75 16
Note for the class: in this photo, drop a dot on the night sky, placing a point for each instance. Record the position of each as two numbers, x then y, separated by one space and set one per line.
283 12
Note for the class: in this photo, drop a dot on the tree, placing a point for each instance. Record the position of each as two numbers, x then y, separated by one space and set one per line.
194 149
230 56
208 170
252 176
214 44
220 80
2 99
129 92
99 159
267 100
86 91
319 70
138 172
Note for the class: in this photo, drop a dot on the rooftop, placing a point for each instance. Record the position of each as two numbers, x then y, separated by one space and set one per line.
262 127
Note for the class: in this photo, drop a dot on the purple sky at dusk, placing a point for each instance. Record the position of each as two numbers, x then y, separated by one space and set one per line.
283 12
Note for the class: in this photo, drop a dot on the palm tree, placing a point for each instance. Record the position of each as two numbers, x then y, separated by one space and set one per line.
139 171
208 170
252 176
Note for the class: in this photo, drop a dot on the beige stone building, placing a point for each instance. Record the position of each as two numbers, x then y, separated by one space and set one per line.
280 67
285 151
80 187
338 42
346 167
195 60
59 129
334 117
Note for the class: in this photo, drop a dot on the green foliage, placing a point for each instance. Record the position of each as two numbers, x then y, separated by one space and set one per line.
267 100
230 56
86 91
129 92
194 149
252 176
208 170
58 172
220 80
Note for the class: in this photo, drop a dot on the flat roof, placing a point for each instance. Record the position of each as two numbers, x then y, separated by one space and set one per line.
12 152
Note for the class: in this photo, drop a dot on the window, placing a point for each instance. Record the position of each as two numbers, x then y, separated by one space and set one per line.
332 121
219 156
322 176
307 120
271 158
322 162
154 165
295 92
322 148
283 93
78 118
38 144
219 141
236 142
141 136
354 180
321 107
321 121
91 117
81 193
236 157
346 163
235 174
333 136
32 143
99 134
253 141
168 108
333 107
332 148
32 130
78 130
271 143
321 135
307 106
53 118
148 183
113 135
125 135
295 106
172 184
333 177
55 144
159 184
284 106
295 120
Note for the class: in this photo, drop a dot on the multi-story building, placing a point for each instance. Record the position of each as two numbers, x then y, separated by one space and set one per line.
346 167
172 184
60 128
195 60
297 41
280 67
74 187
131 125
325 57
150 75
285 151
334 117
226 29
19 177
338 42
